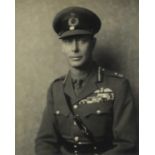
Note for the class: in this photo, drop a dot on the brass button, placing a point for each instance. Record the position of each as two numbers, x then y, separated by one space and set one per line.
115 73
98 111
75 151
74 123
79 143
76 138
75 106
75 146
95 147
57 112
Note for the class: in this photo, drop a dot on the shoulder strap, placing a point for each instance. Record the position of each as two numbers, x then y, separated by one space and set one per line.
87 133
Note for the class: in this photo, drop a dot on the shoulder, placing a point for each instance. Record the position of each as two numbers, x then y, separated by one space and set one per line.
115 80
113 77
59 79
56 82
113 74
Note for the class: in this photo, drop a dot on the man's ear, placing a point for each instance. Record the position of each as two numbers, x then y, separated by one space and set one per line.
62 45
94 40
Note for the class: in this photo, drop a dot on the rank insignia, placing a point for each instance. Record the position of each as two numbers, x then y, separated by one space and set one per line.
99 95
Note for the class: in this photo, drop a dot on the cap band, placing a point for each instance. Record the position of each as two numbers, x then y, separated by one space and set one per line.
74 33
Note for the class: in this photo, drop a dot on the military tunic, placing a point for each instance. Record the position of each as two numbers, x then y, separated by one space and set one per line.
105 105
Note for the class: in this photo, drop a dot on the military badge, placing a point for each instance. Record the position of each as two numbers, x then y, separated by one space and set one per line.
99 95
118 75
73 22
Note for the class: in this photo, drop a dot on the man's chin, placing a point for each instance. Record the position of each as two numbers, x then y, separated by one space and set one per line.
79 65
76 65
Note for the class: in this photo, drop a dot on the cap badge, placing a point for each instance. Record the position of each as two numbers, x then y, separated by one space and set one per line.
73 22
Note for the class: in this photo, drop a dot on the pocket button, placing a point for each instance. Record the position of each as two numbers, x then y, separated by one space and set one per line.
76 138
74 123
98 111
57 112
75 106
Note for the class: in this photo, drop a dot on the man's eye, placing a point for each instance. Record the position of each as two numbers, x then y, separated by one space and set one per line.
83 40
68 40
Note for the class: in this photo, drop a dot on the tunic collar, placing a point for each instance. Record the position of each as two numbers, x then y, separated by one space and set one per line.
91 84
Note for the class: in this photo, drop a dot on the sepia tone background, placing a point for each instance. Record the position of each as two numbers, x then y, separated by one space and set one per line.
39 59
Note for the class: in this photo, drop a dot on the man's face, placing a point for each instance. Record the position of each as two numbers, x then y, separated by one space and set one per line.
78 49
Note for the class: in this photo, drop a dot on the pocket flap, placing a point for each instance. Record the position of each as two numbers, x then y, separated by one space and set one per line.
97 108
61 110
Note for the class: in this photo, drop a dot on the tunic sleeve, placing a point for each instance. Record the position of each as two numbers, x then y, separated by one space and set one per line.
47 141
125 134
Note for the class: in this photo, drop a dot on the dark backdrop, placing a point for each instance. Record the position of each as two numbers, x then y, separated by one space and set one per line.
39 60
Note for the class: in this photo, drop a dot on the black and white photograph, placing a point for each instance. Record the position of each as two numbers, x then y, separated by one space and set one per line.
77 77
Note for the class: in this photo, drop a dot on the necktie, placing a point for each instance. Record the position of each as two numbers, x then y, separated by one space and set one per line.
77 86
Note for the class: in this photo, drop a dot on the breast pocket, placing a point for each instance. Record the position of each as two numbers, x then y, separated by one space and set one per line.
98 117
63 121
101 108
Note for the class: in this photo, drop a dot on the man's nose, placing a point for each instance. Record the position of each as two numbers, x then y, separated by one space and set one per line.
75 47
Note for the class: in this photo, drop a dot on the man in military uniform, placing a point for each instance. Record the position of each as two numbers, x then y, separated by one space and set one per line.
90 110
